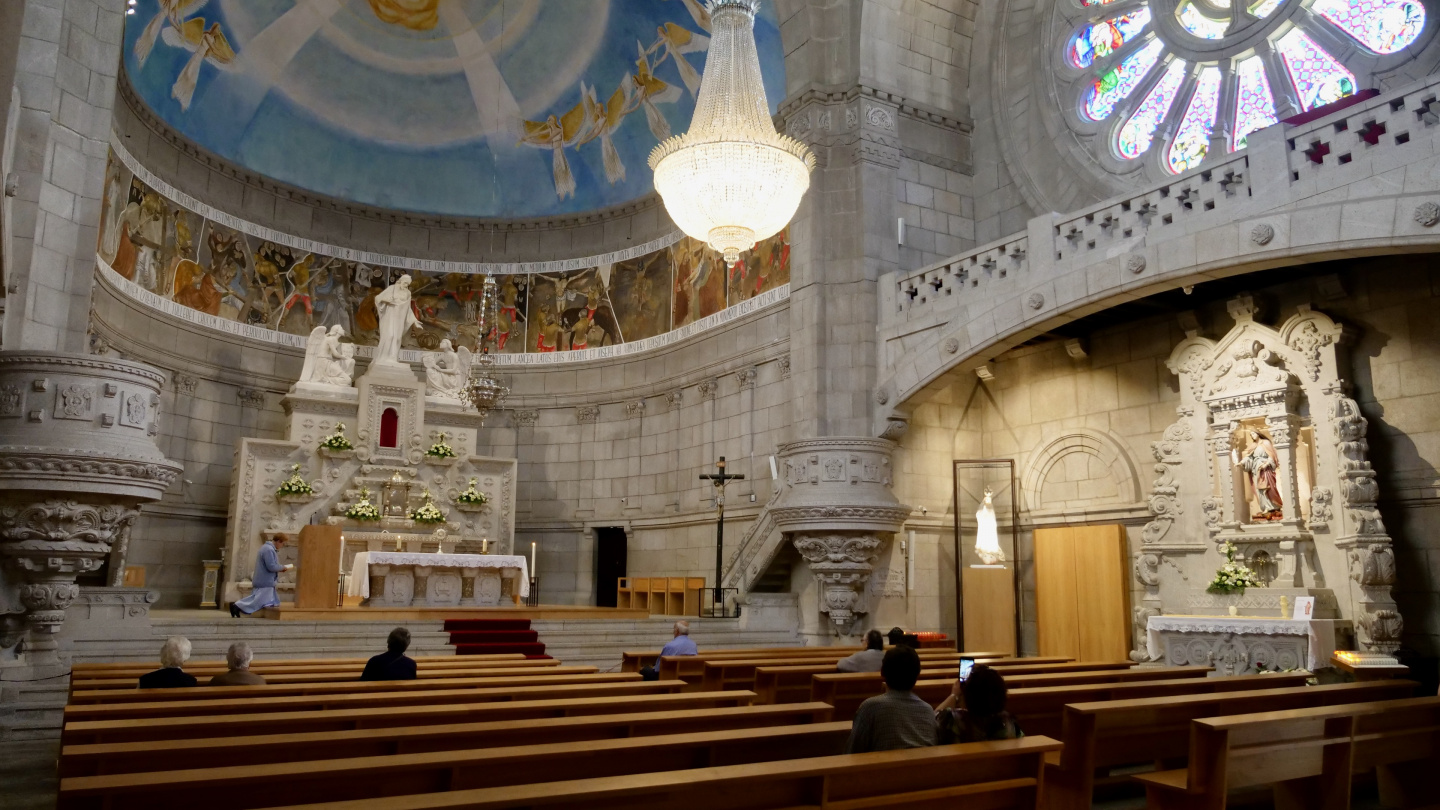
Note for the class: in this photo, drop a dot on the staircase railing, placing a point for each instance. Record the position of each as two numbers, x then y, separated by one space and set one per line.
755 550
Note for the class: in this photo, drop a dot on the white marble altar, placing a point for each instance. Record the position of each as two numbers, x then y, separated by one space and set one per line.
1239 645
406 579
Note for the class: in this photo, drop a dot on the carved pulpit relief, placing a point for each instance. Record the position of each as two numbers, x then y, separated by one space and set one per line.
1269 454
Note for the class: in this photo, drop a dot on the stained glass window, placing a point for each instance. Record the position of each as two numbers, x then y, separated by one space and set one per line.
1136 135
1101 39
1200 25
1118 82
1254 103
1192 140
1383 26
1263 8
1318 78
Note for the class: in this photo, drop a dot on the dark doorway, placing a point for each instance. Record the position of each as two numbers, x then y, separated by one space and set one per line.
390 428
609 563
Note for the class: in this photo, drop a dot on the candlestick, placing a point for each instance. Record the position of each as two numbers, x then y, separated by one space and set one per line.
532 560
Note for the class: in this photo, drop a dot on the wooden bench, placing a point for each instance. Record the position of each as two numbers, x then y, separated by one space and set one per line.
1006 773
424 663
1146 730
305 703
88 669
298 722
117 696
1309 756
1041 710
791 683
133 757
366 778
1104 676
740 673
634 661
354 674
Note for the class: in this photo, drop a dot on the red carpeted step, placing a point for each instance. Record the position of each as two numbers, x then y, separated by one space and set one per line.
486 624
533 650
494 637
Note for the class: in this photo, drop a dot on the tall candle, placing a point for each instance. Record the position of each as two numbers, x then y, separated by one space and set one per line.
532 560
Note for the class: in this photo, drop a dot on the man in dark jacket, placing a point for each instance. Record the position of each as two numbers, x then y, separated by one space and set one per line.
393 664
173 655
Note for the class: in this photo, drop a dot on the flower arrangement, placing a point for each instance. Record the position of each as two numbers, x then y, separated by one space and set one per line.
295 485
1233 577
337 441
472 496
427 512
363 509
440 449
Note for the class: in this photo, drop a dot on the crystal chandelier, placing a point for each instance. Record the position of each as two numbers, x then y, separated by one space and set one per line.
732 180
484 392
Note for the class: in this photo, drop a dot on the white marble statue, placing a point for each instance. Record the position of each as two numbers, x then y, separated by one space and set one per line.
447 371
396 319
987 533
328 361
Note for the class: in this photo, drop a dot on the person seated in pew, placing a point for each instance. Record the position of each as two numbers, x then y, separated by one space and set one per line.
868 659
173 655
898 718
393 664
237 658
681 644
896 637
975 710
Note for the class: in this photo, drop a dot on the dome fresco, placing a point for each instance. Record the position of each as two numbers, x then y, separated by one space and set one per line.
486 108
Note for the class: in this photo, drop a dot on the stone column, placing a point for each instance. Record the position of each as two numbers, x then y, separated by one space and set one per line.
842 563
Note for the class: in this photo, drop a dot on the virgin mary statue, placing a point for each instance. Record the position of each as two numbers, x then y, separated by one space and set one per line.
987 535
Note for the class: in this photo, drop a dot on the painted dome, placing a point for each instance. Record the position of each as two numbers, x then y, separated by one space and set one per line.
485 108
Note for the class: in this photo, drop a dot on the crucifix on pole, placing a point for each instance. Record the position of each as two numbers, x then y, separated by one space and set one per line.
719 478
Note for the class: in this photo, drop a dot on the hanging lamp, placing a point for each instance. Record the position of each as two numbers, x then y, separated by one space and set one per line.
732 180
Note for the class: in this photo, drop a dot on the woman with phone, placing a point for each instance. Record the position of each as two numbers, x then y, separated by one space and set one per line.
975 710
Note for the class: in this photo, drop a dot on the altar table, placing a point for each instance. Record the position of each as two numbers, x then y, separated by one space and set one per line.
1234 645
405 579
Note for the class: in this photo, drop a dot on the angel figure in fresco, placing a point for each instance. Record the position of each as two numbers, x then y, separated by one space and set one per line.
698 13
650 91
171 11
674 42
417 15
207 44
1260 462
601 121
556 134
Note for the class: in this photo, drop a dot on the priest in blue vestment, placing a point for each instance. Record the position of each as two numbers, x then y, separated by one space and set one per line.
267 574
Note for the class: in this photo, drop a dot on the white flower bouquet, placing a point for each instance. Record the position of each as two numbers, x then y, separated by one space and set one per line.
363 509
440 449
336 441
295 485
1233 577
427 512
472 496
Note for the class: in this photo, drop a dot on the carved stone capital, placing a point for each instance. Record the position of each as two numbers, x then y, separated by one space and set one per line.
842 563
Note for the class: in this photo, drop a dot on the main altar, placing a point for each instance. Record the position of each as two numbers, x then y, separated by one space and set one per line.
410 482
1268 459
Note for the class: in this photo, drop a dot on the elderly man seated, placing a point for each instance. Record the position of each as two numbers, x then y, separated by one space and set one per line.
868 659
173 655
681 644
237 658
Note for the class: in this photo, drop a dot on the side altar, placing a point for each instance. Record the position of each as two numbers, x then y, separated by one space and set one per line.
1267 458
411 479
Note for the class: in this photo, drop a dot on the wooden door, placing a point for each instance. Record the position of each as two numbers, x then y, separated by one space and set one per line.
1082 596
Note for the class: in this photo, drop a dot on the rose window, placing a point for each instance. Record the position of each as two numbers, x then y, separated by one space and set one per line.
1171 81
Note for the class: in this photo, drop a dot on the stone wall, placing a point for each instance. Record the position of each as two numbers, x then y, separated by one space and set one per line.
1107 407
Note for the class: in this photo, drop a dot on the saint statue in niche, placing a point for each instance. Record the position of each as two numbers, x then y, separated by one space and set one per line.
396 318
1260 462
987 534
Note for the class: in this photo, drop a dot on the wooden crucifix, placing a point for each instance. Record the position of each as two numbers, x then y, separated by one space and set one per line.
719 478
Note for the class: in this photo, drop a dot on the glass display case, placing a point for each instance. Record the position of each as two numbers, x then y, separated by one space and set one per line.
987 578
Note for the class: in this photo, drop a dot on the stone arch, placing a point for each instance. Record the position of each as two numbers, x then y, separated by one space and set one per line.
1079 469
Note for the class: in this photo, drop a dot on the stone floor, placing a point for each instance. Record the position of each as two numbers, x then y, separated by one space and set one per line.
27 774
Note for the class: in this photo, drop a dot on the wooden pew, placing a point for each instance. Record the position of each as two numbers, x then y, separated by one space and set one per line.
1308 755
691 668
636 660
360 778
1041 710
1104 676
1004 773
134 757
740 673
847 690
216 725
354 674
307 703
791 683
88 669
1129 732
117 696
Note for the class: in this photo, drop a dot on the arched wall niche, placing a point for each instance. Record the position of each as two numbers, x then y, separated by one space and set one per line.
1080 469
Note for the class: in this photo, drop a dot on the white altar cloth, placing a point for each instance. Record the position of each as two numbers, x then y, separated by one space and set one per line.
358 583
1320 634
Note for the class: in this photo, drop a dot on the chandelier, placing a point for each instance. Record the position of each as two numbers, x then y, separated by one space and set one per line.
732 180
483 391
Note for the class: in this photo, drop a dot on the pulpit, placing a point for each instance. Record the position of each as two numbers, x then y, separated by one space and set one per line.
318 579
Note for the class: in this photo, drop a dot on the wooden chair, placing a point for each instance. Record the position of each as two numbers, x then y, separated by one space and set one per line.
315 703
118 696
368 778
1002 774
126 684
298 722
1117 733
625 593
136 757
1308 756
